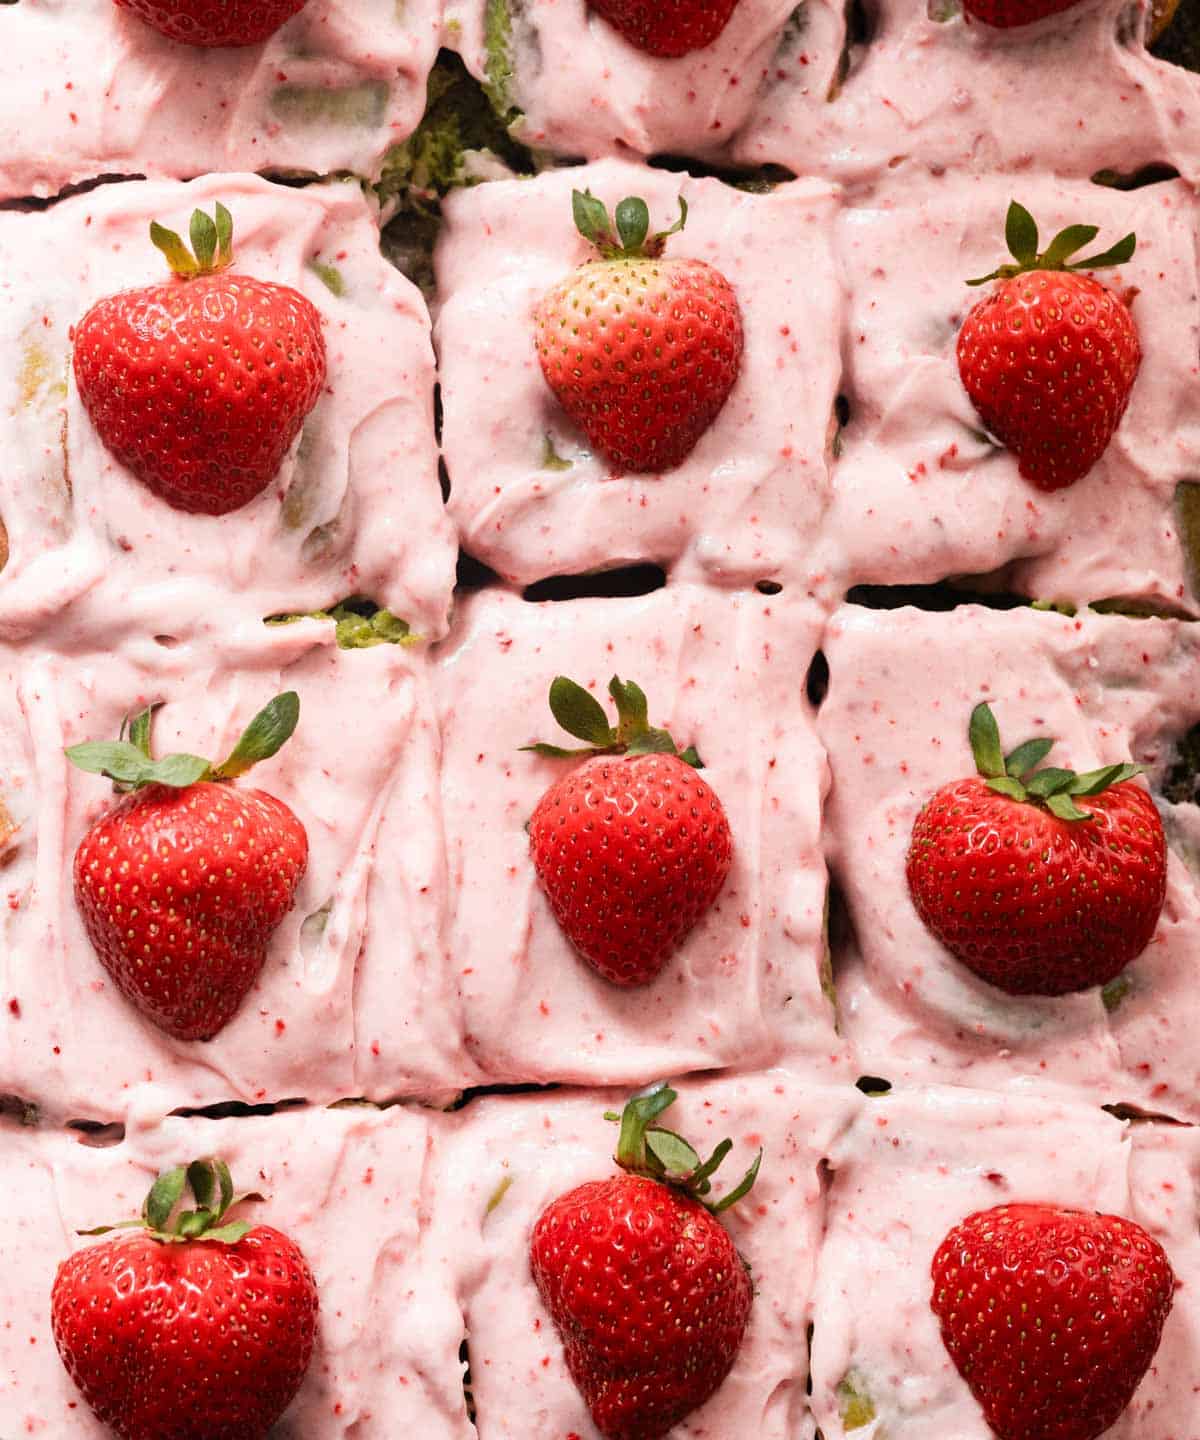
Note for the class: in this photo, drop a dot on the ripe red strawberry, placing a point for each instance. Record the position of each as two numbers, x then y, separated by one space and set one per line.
1033 894
644 1285
200 386
182 883
197 1329
1006 14
641 352
1050 356
1051 1316
667 28
632 847
214 22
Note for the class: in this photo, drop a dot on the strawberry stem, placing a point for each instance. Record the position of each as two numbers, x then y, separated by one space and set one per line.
1016 775
212 244
212 1189
580 714
1021 236
647 1149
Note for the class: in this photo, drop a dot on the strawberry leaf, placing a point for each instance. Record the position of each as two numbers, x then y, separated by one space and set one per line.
741 1190
228 1234
265 735
1122 251
557 752
139 729
678 1159
1021 233
1065 808
1049 782
224 223
193 1223
1067 243
126 764
1006 785
633 709
591 218
225 1181
633 223
691 756
203 1182
984 735
701 1178
177 771
203 235
1026 757
164 1195
1095 782
178 256
651 742
579 713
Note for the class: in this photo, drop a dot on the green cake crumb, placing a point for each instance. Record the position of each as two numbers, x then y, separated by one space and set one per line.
551 459
364 105
498 39
360 624
330 276
1115 991
854 1402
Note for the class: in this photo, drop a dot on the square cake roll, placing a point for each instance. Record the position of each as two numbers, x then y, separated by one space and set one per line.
928 89
507 1159
94 91
920 492
746 985
914 1165
355 996
356 508
571 83
529 496
348 1186
1107 689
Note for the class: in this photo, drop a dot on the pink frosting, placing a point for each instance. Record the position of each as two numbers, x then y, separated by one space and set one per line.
94 91
352 1187
356 508
745 988
505 1160
895 728
747 501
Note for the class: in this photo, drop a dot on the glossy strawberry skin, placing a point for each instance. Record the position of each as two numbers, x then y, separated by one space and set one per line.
214 22
200 386
192 1341
1051 1316
1049 359
642 354
180 892
667 28
1033 904
631 852
649 1295
1007 14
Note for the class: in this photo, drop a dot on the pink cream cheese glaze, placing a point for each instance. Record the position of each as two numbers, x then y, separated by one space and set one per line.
94 91
912 1166
748 501
894 726
505 1160
353 1188
583 90
355 997
726 673
356 507
920 493
931 91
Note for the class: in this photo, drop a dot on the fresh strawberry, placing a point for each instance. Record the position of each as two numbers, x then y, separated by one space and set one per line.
197 1328
1032 893
199 386
214 22
1007 14
1051 1316
644 1285
182 883
667 28
632 847
1050 356
640 351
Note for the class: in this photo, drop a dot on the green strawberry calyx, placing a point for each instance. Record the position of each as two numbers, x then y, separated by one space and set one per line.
646 1149
212 244
581 714
129 764
212 1191
1021 234
1017 776
631 239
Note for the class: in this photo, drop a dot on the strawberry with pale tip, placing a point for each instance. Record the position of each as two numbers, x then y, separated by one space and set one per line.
641 351
632 847
191 1325
643 1282
210 23
1052 1316
667 28
1031 891
1050 356
200 386
182 883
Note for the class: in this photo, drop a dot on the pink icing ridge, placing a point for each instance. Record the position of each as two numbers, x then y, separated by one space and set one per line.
357 506
94 91
745 989
895 729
